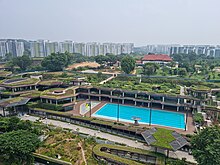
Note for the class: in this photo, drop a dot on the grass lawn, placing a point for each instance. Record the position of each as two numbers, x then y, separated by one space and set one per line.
163 137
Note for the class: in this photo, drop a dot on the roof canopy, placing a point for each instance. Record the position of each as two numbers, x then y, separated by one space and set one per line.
157 57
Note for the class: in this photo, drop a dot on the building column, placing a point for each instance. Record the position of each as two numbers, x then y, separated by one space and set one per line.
135 96
110 93
99 91
50 101
149 97
162 106
99 98
123 94
135 103
178 101
163 99
111 100
56 102
177 108
148 104
123 101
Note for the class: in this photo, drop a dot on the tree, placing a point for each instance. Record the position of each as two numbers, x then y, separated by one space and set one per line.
16 147
150 68
182 72
206 146
127 64
8 57
23 62
101 59
56 61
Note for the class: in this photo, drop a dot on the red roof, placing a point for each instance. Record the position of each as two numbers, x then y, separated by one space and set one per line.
157 57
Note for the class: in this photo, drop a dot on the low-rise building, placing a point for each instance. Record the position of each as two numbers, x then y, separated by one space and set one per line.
156 58
63 97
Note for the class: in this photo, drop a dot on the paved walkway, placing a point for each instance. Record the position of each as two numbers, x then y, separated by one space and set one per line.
108 79
182 90
114 138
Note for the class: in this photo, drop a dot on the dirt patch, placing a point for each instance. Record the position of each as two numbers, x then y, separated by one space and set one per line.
83 64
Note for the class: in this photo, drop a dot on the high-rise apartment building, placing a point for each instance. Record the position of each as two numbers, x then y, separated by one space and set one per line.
3 48
43 48
208 50
66 46
19 48
51 47
37 48
127 48
14 47
79 48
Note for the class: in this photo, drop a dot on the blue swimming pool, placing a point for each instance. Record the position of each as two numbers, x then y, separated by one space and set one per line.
159 117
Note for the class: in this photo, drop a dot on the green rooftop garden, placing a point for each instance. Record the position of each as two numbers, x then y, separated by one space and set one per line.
56 93
97 151
50 82
32 94
29 81
163 88
11 101
4 73
200 88
163 137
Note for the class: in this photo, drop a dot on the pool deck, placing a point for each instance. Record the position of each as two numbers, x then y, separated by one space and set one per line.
190 125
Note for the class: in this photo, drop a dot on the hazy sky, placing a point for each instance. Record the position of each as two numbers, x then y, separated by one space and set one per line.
139 21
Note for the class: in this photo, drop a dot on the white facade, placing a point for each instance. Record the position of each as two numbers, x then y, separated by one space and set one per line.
208 50
37 48
66 46
16 48
19 47
51 47
79 48
3 49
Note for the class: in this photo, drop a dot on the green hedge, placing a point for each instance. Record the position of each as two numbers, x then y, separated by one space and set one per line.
46 106
60 113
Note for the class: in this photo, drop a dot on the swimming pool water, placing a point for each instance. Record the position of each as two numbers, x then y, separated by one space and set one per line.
158 117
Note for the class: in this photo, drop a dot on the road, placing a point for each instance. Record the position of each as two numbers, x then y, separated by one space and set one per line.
114 138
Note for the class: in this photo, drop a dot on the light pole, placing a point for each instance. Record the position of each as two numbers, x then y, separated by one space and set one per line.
119 96
186 117
118 110
150 112
90 107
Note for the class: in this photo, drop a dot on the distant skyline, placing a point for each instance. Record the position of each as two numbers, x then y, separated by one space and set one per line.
141 22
